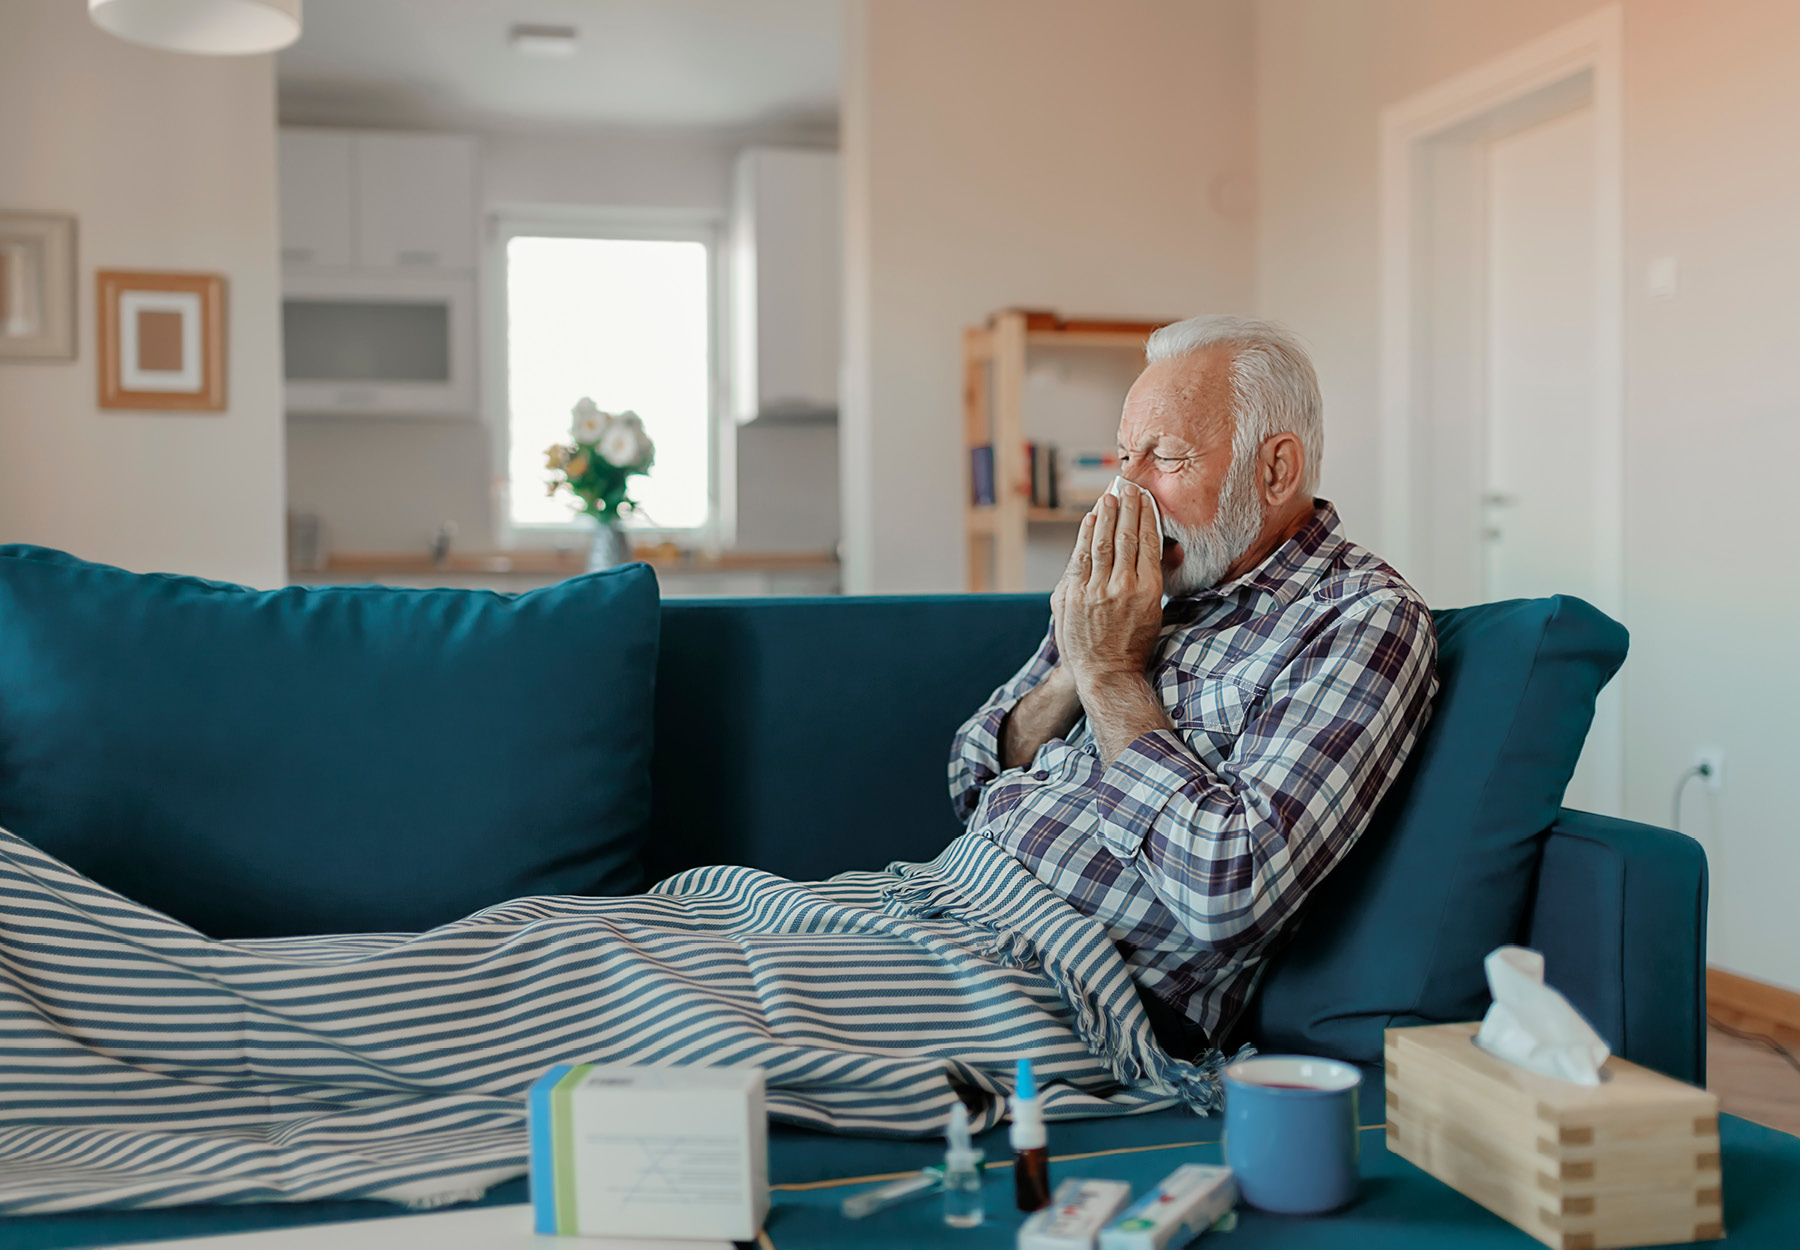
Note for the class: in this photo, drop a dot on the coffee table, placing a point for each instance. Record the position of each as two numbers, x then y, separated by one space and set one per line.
1400 1207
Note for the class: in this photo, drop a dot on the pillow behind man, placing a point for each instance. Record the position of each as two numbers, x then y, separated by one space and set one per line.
1396 935
331 759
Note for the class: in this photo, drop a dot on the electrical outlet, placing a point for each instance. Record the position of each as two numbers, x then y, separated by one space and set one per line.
1712 761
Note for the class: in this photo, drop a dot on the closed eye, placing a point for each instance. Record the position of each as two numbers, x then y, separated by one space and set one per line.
1126 457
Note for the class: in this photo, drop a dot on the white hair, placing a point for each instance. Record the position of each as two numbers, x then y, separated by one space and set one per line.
1274 388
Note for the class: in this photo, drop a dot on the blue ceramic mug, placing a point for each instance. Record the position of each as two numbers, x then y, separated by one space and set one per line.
1290 1132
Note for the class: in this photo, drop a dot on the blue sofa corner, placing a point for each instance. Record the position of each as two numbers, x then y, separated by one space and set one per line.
1620 908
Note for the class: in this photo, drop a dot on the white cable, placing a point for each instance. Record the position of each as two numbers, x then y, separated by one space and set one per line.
1698 770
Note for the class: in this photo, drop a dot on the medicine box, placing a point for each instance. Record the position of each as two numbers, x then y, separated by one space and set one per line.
1184 1204
1633 1161
649 1152
1075 1216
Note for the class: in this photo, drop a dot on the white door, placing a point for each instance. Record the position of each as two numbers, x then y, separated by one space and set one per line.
1540 463
1539 493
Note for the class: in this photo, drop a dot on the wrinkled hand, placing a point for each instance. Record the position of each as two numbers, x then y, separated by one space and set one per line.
1107 609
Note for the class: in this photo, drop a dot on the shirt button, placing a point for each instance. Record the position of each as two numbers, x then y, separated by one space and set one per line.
1040 775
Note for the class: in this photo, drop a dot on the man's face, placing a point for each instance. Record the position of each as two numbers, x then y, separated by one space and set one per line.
1175 442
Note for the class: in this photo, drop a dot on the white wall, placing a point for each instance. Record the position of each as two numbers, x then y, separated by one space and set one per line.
1712 102
1712 176
1093 159
168 162
385 486
625 169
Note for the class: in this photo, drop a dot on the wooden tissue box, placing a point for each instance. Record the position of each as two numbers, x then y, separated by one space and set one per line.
1632 1161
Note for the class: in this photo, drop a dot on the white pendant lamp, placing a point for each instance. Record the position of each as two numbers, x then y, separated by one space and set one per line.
214 27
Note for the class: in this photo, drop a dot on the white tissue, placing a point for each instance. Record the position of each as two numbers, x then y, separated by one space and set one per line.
1116 490
1532 1025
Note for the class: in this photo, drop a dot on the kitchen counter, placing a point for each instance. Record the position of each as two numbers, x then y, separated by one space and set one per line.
679 573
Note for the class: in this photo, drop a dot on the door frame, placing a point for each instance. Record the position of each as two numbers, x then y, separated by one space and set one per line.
1591 46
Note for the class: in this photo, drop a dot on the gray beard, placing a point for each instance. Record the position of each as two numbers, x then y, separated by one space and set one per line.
1209 550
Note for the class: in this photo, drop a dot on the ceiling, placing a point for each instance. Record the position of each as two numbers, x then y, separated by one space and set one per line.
712 63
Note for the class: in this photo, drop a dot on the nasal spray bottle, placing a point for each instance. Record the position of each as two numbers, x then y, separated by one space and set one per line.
963 1205
1031 1151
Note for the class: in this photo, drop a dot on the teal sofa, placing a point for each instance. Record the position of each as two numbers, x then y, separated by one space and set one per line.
809 736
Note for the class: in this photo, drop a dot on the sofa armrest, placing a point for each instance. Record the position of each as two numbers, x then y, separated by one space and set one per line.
1619 912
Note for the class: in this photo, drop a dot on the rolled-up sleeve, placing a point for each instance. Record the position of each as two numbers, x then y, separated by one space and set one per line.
1232 849
975 751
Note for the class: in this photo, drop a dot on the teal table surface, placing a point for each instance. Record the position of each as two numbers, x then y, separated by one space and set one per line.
1400 1207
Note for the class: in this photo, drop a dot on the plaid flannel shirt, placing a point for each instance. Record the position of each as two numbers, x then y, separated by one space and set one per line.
1296 692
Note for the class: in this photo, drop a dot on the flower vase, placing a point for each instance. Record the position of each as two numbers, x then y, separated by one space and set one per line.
609 549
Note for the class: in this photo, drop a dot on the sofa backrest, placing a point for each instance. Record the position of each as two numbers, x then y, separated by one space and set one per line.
810 736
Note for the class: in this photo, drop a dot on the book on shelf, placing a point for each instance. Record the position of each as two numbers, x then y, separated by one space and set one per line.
1042 470
981 474
1085 477
1045 475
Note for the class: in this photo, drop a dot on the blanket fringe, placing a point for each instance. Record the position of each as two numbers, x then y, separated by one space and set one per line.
1116 1032
433 1195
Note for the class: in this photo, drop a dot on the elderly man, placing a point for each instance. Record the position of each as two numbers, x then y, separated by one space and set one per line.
1218 706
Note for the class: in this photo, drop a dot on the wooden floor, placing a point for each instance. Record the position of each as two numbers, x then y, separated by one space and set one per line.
1753 1081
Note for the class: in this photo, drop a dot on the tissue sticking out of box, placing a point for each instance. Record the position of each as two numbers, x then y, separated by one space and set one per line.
1532 1025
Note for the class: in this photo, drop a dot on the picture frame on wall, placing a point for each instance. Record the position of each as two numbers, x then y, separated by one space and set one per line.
162 340
37 286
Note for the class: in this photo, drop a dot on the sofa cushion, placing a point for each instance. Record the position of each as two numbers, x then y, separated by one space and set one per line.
1396 934
331 759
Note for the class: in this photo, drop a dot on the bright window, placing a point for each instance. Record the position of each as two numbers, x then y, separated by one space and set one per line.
626 321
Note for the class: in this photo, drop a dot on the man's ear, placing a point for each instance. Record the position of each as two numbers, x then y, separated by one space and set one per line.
1281 467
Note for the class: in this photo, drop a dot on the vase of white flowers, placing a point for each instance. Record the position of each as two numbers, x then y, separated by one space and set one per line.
606 450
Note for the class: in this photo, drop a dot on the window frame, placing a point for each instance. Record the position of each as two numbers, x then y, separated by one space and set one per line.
705 227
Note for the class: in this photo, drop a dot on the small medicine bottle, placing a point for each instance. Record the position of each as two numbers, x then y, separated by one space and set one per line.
1031 1152
963 1203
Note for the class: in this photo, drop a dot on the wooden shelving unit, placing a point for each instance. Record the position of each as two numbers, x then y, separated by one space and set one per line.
994 360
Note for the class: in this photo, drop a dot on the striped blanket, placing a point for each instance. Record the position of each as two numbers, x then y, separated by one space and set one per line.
142 1064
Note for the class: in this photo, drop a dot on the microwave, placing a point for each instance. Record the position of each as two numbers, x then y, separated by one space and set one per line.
365 345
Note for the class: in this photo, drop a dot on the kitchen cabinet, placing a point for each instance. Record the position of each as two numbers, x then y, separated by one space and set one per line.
367 343
785 270
317 201
378 245
415 201
378 200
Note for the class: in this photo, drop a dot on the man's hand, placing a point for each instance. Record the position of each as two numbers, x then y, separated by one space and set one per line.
1107 615
1108 605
